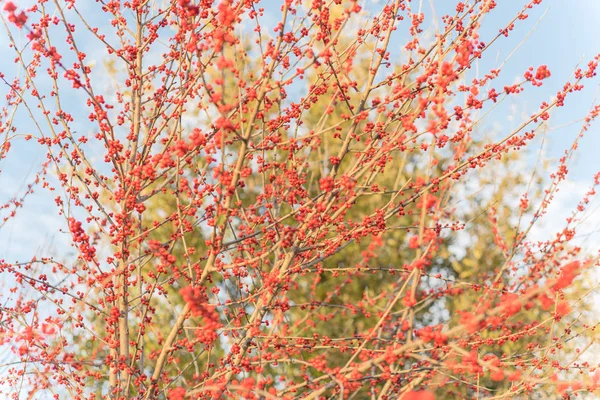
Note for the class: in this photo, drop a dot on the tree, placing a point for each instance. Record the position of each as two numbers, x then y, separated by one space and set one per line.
271 211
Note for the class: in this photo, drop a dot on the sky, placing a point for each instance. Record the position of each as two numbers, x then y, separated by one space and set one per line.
565 35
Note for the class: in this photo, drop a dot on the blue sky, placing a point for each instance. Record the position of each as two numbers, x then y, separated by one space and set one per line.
567 33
